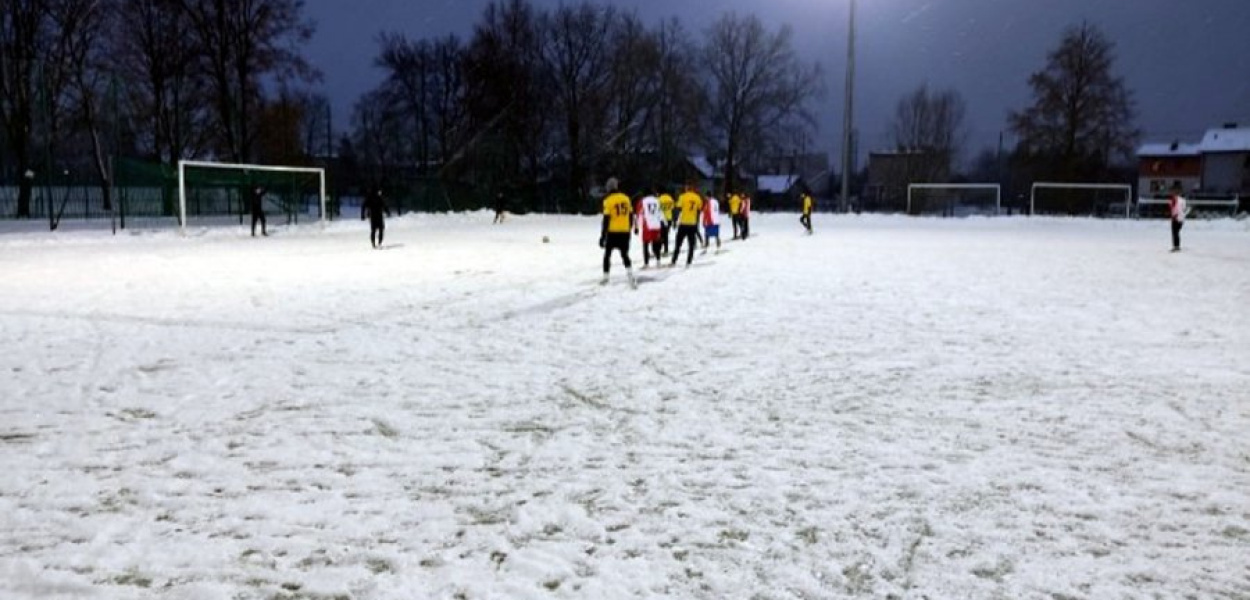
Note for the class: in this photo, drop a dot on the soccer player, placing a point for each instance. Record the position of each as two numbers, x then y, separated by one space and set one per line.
375 207
711 223
806 219
256 199
1178 208
666 210
735 212
650 222
744 213
690 204
499 208
618 219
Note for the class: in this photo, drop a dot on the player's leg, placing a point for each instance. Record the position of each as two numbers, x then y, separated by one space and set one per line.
624 249
677 244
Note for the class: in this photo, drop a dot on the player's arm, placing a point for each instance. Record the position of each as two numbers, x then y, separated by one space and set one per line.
603 233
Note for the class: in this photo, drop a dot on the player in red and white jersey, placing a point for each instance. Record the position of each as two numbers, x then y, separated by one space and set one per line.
649 224
1178 208
711 223
744 213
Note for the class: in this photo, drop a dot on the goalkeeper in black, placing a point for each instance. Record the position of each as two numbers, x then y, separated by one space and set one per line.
375 207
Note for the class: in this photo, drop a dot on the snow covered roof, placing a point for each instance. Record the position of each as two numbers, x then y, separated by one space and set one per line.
1173 149
775 184
1233 139
703 166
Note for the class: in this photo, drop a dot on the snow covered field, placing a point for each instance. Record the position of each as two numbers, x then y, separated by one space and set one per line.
892 408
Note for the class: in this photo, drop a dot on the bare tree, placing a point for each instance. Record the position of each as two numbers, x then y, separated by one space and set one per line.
576 52
165 92
633 96
84 25
42 45
758 85
682 100
316 139
929 127
23 27
426 81
507 104
242 41
1082 115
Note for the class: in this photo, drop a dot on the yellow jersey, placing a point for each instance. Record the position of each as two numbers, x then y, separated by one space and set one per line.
666 207
735 204
691 205
618 208
807 204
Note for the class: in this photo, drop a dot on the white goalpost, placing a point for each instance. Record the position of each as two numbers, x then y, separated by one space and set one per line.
183 165
1060 185
996 208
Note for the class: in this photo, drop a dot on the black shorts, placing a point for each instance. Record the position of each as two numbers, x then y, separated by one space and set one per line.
618 240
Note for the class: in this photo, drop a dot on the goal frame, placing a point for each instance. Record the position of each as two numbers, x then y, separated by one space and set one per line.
202 164
998 191
1062 185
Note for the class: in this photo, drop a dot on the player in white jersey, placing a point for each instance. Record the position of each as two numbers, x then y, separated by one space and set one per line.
711 223
649 225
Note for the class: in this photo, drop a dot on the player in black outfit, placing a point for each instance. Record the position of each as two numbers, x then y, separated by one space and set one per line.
256 201
375 207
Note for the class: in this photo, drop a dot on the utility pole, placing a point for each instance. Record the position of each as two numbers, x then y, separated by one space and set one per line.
847 113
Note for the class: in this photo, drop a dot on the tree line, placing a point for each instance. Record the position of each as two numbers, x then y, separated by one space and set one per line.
565 97
554 99
82 81
1079 126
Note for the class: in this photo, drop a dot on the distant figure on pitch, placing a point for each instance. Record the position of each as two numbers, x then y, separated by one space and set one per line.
666 211
649 224
499 207
735 213
806 219
1178 208
375 207
711 223
256 200
690 205
744 213
618 220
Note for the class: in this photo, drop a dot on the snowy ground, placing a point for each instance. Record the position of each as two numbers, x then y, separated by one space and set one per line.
892 408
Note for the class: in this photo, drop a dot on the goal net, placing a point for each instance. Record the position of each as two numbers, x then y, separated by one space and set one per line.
212 193
1081 199
954 199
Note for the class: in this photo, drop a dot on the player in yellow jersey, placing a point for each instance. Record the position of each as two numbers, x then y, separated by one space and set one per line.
666 212
806 219
735 212
691 206
618 220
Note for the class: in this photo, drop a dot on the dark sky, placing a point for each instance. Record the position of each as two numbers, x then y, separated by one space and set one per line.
1187 61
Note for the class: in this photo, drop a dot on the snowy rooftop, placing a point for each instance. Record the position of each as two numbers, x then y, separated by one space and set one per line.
775 184
703 166
1226 140
1167 150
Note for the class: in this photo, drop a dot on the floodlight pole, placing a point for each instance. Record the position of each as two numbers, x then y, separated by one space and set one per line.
847 112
